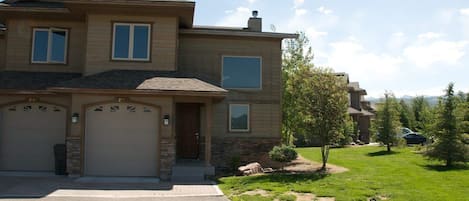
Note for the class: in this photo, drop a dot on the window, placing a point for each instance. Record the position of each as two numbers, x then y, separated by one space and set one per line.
242 72
239 118
49 45
131 42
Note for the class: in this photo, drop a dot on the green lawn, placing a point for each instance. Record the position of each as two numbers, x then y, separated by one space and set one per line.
402 175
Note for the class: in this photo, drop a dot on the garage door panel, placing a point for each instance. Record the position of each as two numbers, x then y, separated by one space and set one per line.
27 135
121 140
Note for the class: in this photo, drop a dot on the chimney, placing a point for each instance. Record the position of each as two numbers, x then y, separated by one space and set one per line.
255 23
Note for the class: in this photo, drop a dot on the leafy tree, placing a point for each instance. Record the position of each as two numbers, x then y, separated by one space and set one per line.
350 132
324 102
297 58
449 145
387 121
406 116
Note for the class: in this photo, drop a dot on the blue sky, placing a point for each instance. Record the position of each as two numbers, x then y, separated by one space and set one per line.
411 47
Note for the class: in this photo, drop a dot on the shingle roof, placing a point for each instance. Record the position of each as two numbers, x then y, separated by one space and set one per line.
32 80
142 80
352 110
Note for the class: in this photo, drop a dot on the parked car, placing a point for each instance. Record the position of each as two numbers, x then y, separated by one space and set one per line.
414 138
405 131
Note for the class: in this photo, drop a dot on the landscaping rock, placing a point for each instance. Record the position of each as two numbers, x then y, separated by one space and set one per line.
251 168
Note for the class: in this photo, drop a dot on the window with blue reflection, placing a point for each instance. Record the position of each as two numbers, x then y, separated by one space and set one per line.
141 42
241 72
49 45
121 41
239 117
40 46
131 41
59 40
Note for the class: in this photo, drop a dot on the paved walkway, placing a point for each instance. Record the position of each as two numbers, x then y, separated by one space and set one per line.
64 188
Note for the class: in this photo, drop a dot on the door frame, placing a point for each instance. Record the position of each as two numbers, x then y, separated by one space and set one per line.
84 109
177 108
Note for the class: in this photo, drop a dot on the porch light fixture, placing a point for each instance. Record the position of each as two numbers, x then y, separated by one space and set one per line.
75 117
166 119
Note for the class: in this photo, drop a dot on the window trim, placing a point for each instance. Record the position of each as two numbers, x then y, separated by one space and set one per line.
238 56
50 31
230 129
131 41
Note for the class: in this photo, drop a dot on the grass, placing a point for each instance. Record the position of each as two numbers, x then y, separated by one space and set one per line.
400 175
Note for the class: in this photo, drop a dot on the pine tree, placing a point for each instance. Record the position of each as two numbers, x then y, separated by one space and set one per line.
449 145
387 121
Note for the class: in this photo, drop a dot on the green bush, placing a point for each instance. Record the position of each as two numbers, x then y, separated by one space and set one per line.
283 154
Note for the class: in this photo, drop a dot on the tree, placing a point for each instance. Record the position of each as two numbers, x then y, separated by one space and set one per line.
296 59
387 121
324 103
406 116
449 145
421 112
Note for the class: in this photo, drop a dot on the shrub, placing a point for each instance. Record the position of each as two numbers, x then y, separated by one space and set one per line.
283 154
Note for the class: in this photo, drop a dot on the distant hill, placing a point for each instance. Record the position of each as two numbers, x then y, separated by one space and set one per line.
432 100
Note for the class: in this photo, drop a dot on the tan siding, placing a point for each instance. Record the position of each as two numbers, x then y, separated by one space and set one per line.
19 44
203 56
99 44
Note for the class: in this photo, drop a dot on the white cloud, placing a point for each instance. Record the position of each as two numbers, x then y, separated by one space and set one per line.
324 10
447 52
300 11
397 41
369 67
464 11
252 1
298 3
430 36
237 17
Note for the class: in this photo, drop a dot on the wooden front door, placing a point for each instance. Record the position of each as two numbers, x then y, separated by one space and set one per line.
188 130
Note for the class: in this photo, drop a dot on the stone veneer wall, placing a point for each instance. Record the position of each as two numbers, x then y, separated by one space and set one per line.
73 156
168 157
247 149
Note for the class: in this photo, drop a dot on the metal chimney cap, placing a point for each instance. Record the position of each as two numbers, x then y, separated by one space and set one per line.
255 13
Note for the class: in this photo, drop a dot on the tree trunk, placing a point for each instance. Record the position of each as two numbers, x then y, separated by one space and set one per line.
389 147
324 154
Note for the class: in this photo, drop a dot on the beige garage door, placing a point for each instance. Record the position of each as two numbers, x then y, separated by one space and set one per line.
28 133
121 140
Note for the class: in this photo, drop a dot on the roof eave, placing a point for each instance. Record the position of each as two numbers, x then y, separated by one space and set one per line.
220 94
33 9
237 33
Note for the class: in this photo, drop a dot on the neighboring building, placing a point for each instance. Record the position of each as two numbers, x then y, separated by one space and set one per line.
359 109
133 88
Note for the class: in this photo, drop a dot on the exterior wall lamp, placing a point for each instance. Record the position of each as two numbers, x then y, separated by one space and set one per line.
166 119
75 117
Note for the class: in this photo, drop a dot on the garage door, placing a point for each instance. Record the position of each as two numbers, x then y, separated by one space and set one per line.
121 140
28 133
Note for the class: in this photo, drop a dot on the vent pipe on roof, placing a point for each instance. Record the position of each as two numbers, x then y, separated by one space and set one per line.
255 23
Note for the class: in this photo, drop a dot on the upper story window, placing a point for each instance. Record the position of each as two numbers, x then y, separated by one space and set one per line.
131 42
242 72
49 45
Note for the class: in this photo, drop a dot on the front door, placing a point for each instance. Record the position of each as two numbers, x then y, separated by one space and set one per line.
188 130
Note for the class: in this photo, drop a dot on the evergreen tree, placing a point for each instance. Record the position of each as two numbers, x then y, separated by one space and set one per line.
406 116
387 121
449 145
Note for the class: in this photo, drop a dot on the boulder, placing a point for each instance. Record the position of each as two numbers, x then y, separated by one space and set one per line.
251 168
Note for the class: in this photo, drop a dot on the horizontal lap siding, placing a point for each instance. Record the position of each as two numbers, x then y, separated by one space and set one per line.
19 44
163 44
203 56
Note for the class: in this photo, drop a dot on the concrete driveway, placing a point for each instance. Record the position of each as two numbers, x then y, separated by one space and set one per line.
54 188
